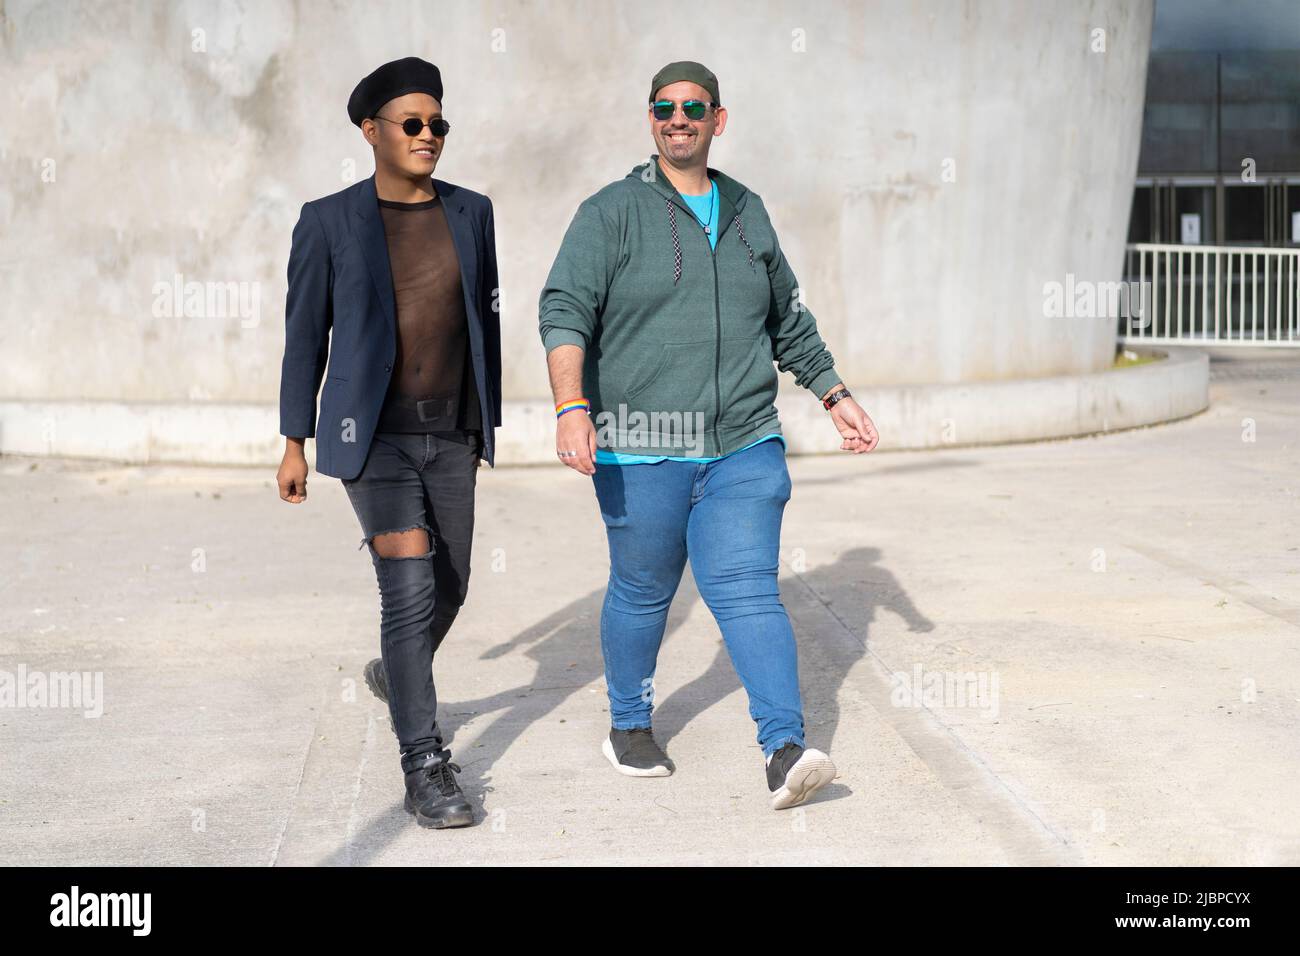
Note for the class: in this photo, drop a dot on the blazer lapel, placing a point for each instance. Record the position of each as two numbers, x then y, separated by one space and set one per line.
462 237
374 246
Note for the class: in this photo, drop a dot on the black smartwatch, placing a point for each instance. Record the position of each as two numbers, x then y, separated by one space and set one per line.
836 396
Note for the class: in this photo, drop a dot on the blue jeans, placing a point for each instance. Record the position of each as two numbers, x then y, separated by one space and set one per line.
726 516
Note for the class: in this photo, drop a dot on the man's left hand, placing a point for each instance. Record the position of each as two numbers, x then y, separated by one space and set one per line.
855 426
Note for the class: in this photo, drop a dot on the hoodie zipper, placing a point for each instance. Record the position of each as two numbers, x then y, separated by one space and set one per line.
717 325
717 355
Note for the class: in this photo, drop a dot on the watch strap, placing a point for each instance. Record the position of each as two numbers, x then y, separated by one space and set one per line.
834 397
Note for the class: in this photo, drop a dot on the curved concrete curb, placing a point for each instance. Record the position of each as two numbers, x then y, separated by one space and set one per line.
920 416
990 413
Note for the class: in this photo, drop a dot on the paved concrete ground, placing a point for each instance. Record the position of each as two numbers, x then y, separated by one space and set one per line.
1135 596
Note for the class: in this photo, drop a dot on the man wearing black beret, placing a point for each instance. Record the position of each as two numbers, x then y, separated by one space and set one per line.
392 298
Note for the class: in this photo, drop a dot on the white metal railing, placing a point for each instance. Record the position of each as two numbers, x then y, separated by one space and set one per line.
1221 295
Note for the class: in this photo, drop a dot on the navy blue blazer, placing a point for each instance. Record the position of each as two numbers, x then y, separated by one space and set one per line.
340 279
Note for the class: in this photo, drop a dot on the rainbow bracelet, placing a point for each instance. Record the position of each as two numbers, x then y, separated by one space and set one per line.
563 407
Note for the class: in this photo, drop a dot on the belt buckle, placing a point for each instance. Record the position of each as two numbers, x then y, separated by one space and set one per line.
431 409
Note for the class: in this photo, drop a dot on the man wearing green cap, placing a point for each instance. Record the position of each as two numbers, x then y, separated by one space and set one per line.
663 313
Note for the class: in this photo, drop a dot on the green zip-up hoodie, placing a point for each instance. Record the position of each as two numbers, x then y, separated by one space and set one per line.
679 339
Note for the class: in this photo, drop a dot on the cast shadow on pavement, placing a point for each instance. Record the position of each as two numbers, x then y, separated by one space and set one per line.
566 648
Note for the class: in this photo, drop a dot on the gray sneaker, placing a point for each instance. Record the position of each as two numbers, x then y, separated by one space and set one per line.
635 753
795 774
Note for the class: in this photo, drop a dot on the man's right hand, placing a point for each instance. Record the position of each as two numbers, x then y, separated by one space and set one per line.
292 476
575 432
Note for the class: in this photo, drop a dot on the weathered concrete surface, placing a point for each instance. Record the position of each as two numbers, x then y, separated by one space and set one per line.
1147 712
929 166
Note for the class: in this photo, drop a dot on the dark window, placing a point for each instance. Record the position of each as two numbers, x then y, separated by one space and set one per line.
1139 220
1243 214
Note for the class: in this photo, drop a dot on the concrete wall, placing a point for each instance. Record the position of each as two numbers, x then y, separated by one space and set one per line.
143 141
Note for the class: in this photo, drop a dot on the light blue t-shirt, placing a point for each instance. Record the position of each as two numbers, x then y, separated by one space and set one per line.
706 205
605 457
706 211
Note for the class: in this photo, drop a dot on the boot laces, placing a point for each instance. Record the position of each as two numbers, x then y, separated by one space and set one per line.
441 774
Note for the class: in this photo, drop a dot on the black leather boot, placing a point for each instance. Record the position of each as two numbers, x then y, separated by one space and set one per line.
377 679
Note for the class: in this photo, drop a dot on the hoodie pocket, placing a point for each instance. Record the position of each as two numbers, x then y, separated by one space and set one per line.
682 380
749 382
762 364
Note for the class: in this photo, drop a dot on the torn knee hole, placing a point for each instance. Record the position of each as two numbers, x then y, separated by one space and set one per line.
412 542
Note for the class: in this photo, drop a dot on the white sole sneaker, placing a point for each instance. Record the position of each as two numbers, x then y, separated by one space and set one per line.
607 749
812 771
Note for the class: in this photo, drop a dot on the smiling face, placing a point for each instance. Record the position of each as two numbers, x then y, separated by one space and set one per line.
684 142
410 156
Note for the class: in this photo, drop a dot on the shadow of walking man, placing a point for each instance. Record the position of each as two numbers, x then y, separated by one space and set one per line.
852 590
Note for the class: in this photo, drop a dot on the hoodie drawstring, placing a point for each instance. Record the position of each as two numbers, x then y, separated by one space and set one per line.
677 245
740 231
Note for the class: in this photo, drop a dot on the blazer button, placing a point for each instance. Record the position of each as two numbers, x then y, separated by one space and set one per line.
388 368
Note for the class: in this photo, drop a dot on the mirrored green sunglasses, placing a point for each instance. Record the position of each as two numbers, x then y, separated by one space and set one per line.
691 109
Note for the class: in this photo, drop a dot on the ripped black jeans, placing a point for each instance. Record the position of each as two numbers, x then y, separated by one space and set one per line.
414 481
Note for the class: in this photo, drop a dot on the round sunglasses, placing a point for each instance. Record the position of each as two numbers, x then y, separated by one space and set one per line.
412 125
691 109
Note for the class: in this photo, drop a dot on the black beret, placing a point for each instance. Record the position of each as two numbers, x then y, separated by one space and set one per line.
407 75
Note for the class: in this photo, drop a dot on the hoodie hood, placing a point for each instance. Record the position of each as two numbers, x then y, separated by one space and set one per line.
732 197
731 192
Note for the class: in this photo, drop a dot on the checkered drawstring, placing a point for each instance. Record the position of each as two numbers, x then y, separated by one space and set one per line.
740 231
677 245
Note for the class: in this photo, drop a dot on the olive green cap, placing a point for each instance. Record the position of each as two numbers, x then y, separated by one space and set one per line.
687 70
